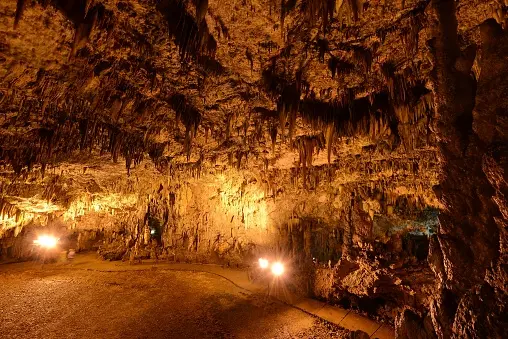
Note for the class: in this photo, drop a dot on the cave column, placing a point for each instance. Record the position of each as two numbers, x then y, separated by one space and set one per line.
467 241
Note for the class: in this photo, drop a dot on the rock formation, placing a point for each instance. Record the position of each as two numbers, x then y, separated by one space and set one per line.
365 142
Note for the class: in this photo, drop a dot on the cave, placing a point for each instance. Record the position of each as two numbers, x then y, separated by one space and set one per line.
254 168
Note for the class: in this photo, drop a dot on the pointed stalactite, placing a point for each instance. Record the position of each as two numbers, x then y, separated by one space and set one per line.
189 116
250 58
388 73
201 10
339 67
330 133
315 10
292 119
363 56
354 8
350 116
282 18
322 46
281 108
273 136
410 35
189 135
306 145
288 107
20 7
192 35
86 21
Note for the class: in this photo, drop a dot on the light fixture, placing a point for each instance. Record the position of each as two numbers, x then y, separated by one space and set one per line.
47 241
277 269
263 263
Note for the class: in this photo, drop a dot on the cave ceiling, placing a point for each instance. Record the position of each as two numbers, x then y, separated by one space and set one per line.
263 86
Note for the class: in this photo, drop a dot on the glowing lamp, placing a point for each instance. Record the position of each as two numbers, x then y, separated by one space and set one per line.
47 241
277 269
263 263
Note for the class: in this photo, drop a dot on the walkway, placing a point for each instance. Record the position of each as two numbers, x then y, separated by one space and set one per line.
344 318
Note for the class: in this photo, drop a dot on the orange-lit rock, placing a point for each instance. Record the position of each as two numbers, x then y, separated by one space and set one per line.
365 142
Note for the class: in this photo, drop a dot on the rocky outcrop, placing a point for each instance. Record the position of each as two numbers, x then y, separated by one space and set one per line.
410 325
468 246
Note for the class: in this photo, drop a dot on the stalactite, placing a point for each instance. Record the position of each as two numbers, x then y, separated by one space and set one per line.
273 136
20 7
339 66
315 10
363 56
354 8
410 35
388 73
288 107
306 145
201 9
190 117
330 132
322 48
192 36
250 58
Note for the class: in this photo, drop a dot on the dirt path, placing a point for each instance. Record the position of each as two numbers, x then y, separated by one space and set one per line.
58 302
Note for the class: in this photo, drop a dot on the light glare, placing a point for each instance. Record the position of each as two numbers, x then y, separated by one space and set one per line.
47 241
277 269
263 263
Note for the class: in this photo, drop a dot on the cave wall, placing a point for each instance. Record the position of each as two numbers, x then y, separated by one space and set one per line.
203 210
468 253
329 132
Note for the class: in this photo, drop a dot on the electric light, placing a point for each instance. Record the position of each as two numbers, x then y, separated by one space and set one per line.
277 269
47 241
263 263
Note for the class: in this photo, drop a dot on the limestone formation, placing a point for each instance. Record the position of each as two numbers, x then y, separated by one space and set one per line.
363 142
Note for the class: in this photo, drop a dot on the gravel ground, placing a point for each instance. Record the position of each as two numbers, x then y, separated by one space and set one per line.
70 303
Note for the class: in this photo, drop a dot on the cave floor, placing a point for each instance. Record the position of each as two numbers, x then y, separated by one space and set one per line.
57 301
